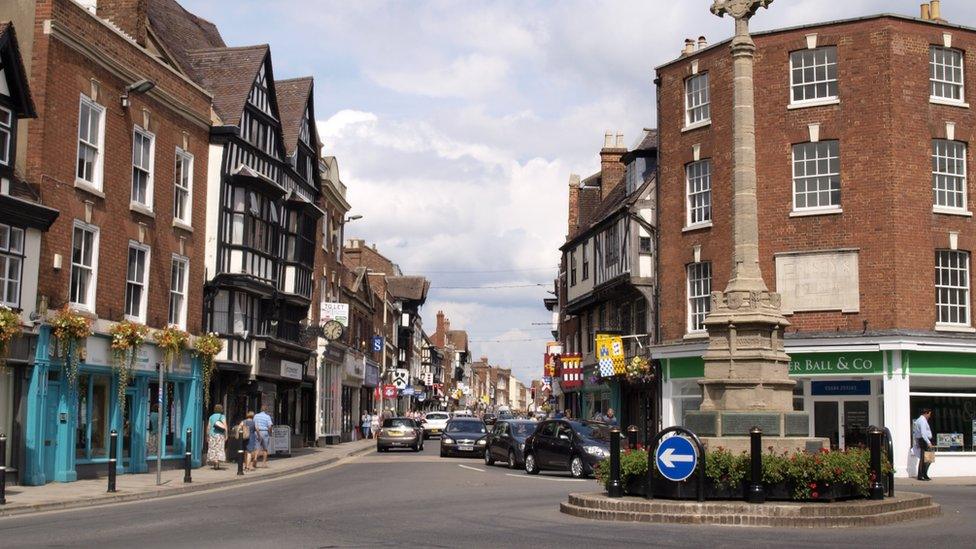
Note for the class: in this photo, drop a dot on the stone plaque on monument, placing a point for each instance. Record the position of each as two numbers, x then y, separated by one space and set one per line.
797 424
703 424
739 423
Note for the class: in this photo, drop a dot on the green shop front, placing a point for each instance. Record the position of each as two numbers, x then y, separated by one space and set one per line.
68 422
847 388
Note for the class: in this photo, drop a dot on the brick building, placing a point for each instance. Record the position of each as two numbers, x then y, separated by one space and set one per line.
865 220
129 176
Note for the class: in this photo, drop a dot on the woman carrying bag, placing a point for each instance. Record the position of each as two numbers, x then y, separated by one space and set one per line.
217 436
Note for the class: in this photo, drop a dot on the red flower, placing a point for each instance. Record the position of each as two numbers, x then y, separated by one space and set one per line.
838 471
814 495
813 485
873 477
824 450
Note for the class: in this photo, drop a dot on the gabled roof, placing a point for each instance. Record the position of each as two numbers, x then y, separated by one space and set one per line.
13 69
293 96
181 32
229 74
408 288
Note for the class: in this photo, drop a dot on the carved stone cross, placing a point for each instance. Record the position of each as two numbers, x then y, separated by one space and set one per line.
740 10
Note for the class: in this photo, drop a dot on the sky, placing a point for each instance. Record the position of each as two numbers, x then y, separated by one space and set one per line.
457 125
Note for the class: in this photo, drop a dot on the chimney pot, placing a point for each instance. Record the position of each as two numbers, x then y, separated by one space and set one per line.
702 42
607 139
689 46
925 12
620 140
935 11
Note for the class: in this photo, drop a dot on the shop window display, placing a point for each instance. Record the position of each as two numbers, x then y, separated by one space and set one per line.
94 400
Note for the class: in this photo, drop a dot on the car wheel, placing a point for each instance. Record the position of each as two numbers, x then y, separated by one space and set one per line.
512 464
380 449
576 467
488 459
531 467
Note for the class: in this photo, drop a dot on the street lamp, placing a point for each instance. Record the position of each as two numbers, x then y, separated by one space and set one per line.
141 86
353 218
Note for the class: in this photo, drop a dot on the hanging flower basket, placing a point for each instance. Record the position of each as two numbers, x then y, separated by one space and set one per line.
9 328
207 347
638 370
172 341
127 339
69 329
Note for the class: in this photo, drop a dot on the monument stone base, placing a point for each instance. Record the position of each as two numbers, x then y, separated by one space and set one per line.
776 445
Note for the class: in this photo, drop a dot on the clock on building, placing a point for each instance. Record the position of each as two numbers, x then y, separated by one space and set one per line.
332 330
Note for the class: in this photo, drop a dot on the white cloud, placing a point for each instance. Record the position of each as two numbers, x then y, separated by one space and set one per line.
468 76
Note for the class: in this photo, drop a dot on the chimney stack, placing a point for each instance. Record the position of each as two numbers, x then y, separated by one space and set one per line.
573 212
926 14
689 47
702 43
130 16
611 168
936 11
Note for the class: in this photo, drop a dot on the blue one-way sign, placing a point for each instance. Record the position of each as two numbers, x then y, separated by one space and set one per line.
676 458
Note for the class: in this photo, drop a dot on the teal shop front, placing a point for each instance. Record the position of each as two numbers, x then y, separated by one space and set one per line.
68 426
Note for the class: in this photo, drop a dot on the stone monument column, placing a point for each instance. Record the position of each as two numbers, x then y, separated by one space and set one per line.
746 379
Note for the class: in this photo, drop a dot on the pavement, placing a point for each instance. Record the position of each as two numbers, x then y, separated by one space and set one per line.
402 498
133 487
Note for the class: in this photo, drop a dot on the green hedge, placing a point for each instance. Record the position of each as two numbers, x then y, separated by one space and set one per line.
806 473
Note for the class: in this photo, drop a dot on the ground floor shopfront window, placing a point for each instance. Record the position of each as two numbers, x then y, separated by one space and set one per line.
94 409
953 404
169 422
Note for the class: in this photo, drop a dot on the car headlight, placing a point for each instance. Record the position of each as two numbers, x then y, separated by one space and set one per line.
482 442
598 451
447 440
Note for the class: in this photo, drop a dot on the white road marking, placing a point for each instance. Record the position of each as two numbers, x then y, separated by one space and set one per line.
471 468
547 478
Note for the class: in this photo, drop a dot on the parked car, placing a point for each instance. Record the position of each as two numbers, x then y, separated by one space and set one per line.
567 445
434 424
400 432
464 436
506 442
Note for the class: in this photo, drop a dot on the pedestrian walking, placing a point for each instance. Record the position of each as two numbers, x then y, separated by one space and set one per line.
365 423
374 423
262 424
610 418
216 437
249 437
923 448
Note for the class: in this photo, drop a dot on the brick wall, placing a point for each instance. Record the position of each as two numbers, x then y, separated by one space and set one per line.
885 124
59 76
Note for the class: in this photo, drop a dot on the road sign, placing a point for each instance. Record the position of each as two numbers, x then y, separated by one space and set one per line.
389 391
377 344
421 397
408 390
676 458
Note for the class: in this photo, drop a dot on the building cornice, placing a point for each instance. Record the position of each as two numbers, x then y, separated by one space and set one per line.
67 36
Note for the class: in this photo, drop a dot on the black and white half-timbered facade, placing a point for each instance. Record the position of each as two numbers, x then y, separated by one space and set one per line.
22 220
262 223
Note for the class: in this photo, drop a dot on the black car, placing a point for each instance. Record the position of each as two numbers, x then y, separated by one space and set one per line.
506 442
567 445
464 436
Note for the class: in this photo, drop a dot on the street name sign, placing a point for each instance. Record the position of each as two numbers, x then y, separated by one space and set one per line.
676 458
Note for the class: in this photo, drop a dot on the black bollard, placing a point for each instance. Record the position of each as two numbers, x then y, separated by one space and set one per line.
756 493
876 490
187 457
3 469
113 455
616 489
632 437
240 452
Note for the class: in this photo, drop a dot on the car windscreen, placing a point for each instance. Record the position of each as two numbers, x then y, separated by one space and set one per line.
465 427
398 422
592 430
435 416
522 430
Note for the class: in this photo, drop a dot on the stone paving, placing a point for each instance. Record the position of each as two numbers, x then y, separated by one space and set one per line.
84 493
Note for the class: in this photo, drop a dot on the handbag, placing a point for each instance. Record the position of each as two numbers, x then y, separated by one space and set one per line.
929 456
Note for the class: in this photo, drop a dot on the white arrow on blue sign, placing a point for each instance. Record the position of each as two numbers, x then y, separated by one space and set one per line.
676 458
